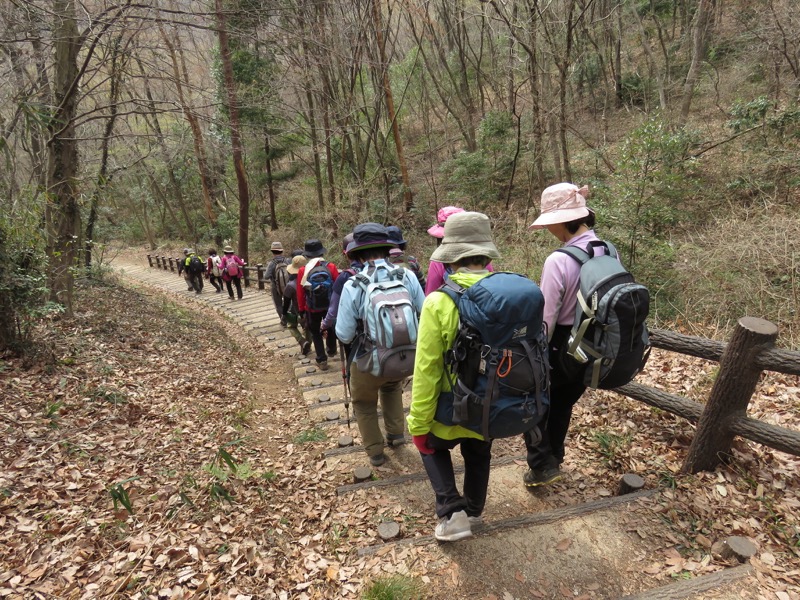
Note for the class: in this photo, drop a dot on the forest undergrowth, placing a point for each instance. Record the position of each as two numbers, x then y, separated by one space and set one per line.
155 451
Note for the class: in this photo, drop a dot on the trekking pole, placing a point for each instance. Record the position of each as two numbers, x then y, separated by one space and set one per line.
345 383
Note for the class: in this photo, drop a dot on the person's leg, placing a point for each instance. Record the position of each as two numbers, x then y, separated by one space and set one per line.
391 395
238 282
439 467
314 322
278 302
364 394
229 285
330 343
188 279
477 458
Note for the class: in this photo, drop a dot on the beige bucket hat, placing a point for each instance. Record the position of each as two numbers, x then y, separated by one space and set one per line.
466 234
562 203
298 262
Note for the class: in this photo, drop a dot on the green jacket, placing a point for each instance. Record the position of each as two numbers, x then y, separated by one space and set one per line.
438 326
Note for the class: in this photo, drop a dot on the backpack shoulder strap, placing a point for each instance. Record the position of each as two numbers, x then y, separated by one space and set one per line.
451 289
579 255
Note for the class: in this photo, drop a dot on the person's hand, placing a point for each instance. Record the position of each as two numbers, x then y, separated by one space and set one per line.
421 442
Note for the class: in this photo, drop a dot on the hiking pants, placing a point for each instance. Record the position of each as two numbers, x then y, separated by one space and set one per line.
196 282
565 390
320 343
238 282
439 467
216 281
365 391
277 300
301 335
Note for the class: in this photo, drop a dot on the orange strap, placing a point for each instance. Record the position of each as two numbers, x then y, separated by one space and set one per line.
503 373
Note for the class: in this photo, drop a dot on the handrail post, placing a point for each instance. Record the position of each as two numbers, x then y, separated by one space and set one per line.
246 270
158 262
734 386
150 260
260 271
173 262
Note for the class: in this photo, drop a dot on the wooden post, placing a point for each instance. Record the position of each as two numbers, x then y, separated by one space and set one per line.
149 260
173 262
246 271
158 262
733 388
260 271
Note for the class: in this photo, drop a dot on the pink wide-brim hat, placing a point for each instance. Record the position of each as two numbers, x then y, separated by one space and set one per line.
562 203
444 213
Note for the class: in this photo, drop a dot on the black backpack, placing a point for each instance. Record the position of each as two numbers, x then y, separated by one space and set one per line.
609 335
196 265
498 366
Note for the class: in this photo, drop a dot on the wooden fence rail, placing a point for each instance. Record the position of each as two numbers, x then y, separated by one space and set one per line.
742 359
171 264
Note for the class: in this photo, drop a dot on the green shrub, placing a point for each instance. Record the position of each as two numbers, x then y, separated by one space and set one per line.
395 587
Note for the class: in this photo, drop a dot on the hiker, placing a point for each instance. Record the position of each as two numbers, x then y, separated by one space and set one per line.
565 215
232 271
214 269
466 248
297 326
278 277
313 298
436 270
376 370
192 267
329 322
397 256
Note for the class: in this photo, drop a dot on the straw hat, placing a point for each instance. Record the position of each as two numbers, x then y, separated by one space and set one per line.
228 250
466 234
562 203
276 247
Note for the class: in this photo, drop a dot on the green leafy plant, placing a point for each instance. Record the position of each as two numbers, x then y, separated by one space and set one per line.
395 587
610 444
120 496
310 435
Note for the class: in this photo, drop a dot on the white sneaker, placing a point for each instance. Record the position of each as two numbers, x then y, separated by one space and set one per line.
454 528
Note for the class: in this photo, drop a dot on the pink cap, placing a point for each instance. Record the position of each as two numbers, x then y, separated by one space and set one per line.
444 213
561 203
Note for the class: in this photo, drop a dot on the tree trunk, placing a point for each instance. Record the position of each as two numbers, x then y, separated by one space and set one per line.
103 179
236 140
270 184
62 215
408 199
181 74
699 30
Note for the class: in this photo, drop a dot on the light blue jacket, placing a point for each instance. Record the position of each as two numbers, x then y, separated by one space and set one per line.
351 306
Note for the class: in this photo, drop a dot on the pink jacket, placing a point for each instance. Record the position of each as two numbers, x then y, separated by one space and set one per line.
226 260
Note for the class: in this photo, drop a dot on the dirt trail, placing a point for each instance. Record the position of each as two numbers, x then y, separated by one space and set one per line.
607 552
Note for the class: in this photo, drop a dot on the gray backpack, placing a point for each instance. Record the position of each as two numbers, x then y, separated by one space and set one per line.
609 334
388 333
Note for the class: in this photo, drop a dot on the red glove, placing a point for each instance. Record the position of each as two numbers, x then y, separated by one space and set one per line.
421 442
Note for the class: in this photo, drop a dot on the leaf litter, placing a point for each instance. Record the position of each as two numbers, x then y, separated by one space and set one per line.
135 465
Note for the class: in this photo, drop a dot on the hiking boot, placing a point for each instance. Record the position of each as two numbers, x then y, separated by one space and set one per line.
323 366
283 322
305 348
453 528
546 476
377 460
331 353
393 440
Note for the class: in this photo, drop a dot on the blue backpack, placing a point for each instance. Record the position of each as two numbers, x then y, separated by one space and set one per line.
319 287
498 366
